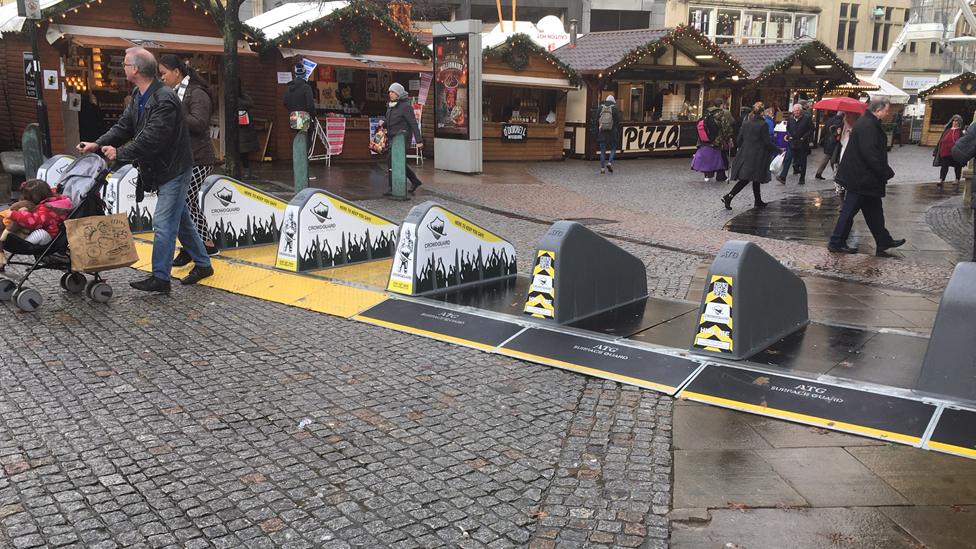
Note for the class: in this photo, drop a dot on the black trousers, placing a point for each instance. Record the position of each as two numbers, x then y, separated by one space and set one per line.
870 207
944 170
412 177
741 184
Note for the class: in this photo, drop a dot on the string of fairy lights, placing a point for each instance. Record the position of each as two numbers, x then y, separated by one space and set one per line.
962 78
523 41
354 14
681 31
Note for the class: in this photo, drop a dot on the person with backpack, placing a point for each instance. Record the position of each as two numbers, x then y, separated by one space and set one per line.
714 139
606 126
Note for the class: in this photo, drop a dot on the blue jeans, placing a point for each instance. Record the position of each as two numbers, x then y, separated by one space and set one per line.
172 219
603 151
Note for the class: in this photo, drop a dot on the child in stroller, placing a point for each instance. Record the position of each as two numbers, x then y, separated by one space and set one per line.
78 196
34 220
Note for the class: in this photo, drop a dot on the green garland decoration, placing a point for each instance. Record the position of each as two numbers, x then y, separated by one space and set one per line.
515 51
516 55
159 18
356 11
359 25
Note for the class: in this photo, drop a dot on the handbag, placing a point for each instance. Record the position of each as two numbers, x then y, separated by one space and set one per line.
777 164
299 120
243 119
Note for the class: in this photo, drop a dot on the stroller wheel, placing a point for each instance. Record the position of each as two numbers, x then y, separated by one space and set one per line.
73 282
7 288
98 291
28 299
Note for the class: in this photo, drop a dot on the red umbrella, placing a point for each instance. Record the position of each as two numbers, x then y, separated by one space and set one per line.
845 104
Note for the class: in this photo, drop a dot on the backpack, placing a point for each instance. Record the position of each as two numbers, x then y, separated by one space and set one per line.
605 121
707 127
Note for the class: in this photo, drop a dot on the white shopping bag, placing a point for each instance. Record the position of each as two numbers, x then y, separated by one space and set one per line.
777 164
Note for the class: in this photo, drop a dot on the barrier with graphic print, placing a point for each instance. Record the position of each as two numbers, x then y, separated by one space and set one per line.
438 250
239 215
120 198
51 169
322 230
750 301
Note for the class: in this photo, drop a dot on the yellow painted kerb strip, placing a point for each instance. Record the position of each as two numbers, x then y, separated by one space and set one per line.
419 331
590 371
952 448
830 424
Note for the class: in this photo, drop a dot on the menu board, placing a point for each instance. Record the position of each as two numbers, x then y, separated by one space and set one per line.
452 116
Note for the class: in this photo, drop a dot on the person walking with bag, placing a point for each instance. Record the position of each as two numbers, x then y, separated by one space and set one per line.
194 93
942 154
152 133
606 126
864 172
751 164
799 130
714 136
400 118
828 141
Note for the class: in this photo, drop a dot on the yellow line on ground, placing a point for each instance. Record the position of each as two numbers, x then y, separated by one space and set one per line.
270 285
587 370
803 418
420 331
952 449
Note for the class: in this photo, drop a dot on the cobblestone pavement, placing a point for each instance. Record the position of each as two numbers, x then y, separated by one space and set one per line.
953 222
208 419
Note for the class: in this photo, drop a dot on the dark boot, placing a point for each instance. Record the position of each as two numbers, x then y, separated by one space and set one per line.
727 200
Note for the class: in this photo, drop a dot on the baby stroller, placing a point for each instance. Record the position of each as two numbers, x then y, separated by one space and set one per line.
82 181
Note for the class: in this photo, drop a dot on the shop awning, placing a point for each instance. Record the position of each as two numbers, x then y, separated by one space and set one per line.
527 81
95 37
896 95
366 63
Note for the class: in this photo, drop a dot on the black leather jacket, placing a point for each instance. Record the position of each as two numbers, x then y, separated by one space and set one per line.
158 142
401 119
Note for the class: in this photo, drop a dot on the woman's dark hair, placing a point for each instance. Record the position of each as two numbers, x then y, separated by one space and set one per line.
35 190
173 62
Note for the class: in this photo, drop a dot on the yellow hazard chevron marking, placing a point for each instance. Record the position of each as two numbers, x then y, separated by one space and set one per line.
802 418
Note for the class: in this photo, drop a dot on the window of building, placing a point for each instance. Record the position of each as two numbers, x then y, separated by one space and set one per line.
847 27
883 23
932 48
911 48
737 26
611 20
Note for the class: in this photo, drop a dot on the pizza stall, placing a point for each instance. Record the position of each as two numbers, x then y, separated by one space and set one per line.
659 78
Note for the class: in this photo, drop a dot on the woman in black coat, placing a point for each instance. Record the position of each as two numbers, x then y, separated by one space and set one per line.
756 151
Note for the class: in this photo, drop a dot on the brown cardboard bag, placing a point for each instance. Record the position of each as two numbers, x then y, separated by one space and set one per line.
99 243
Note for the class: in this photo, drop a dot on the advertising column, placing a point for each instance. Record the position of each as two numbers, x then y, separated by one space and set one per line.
457 96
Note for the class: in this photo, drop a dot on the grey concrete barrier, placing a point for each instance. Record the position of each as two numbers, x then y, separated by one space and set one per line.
577 273
949 366
750 301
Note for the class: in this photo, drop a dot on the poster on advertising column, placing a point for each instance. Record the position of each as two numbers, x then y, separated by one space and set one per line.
438 249
451 114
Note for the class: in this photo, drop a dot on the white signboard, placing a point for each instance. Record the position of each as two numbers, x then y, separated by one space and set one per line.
238 215
284 77
867 60
322 230
120 197
437 249
918 82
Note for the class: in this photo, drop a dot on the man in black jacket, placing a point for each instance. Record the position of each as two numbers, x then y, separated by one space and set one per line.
299 97
799 131
864 172
153 135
